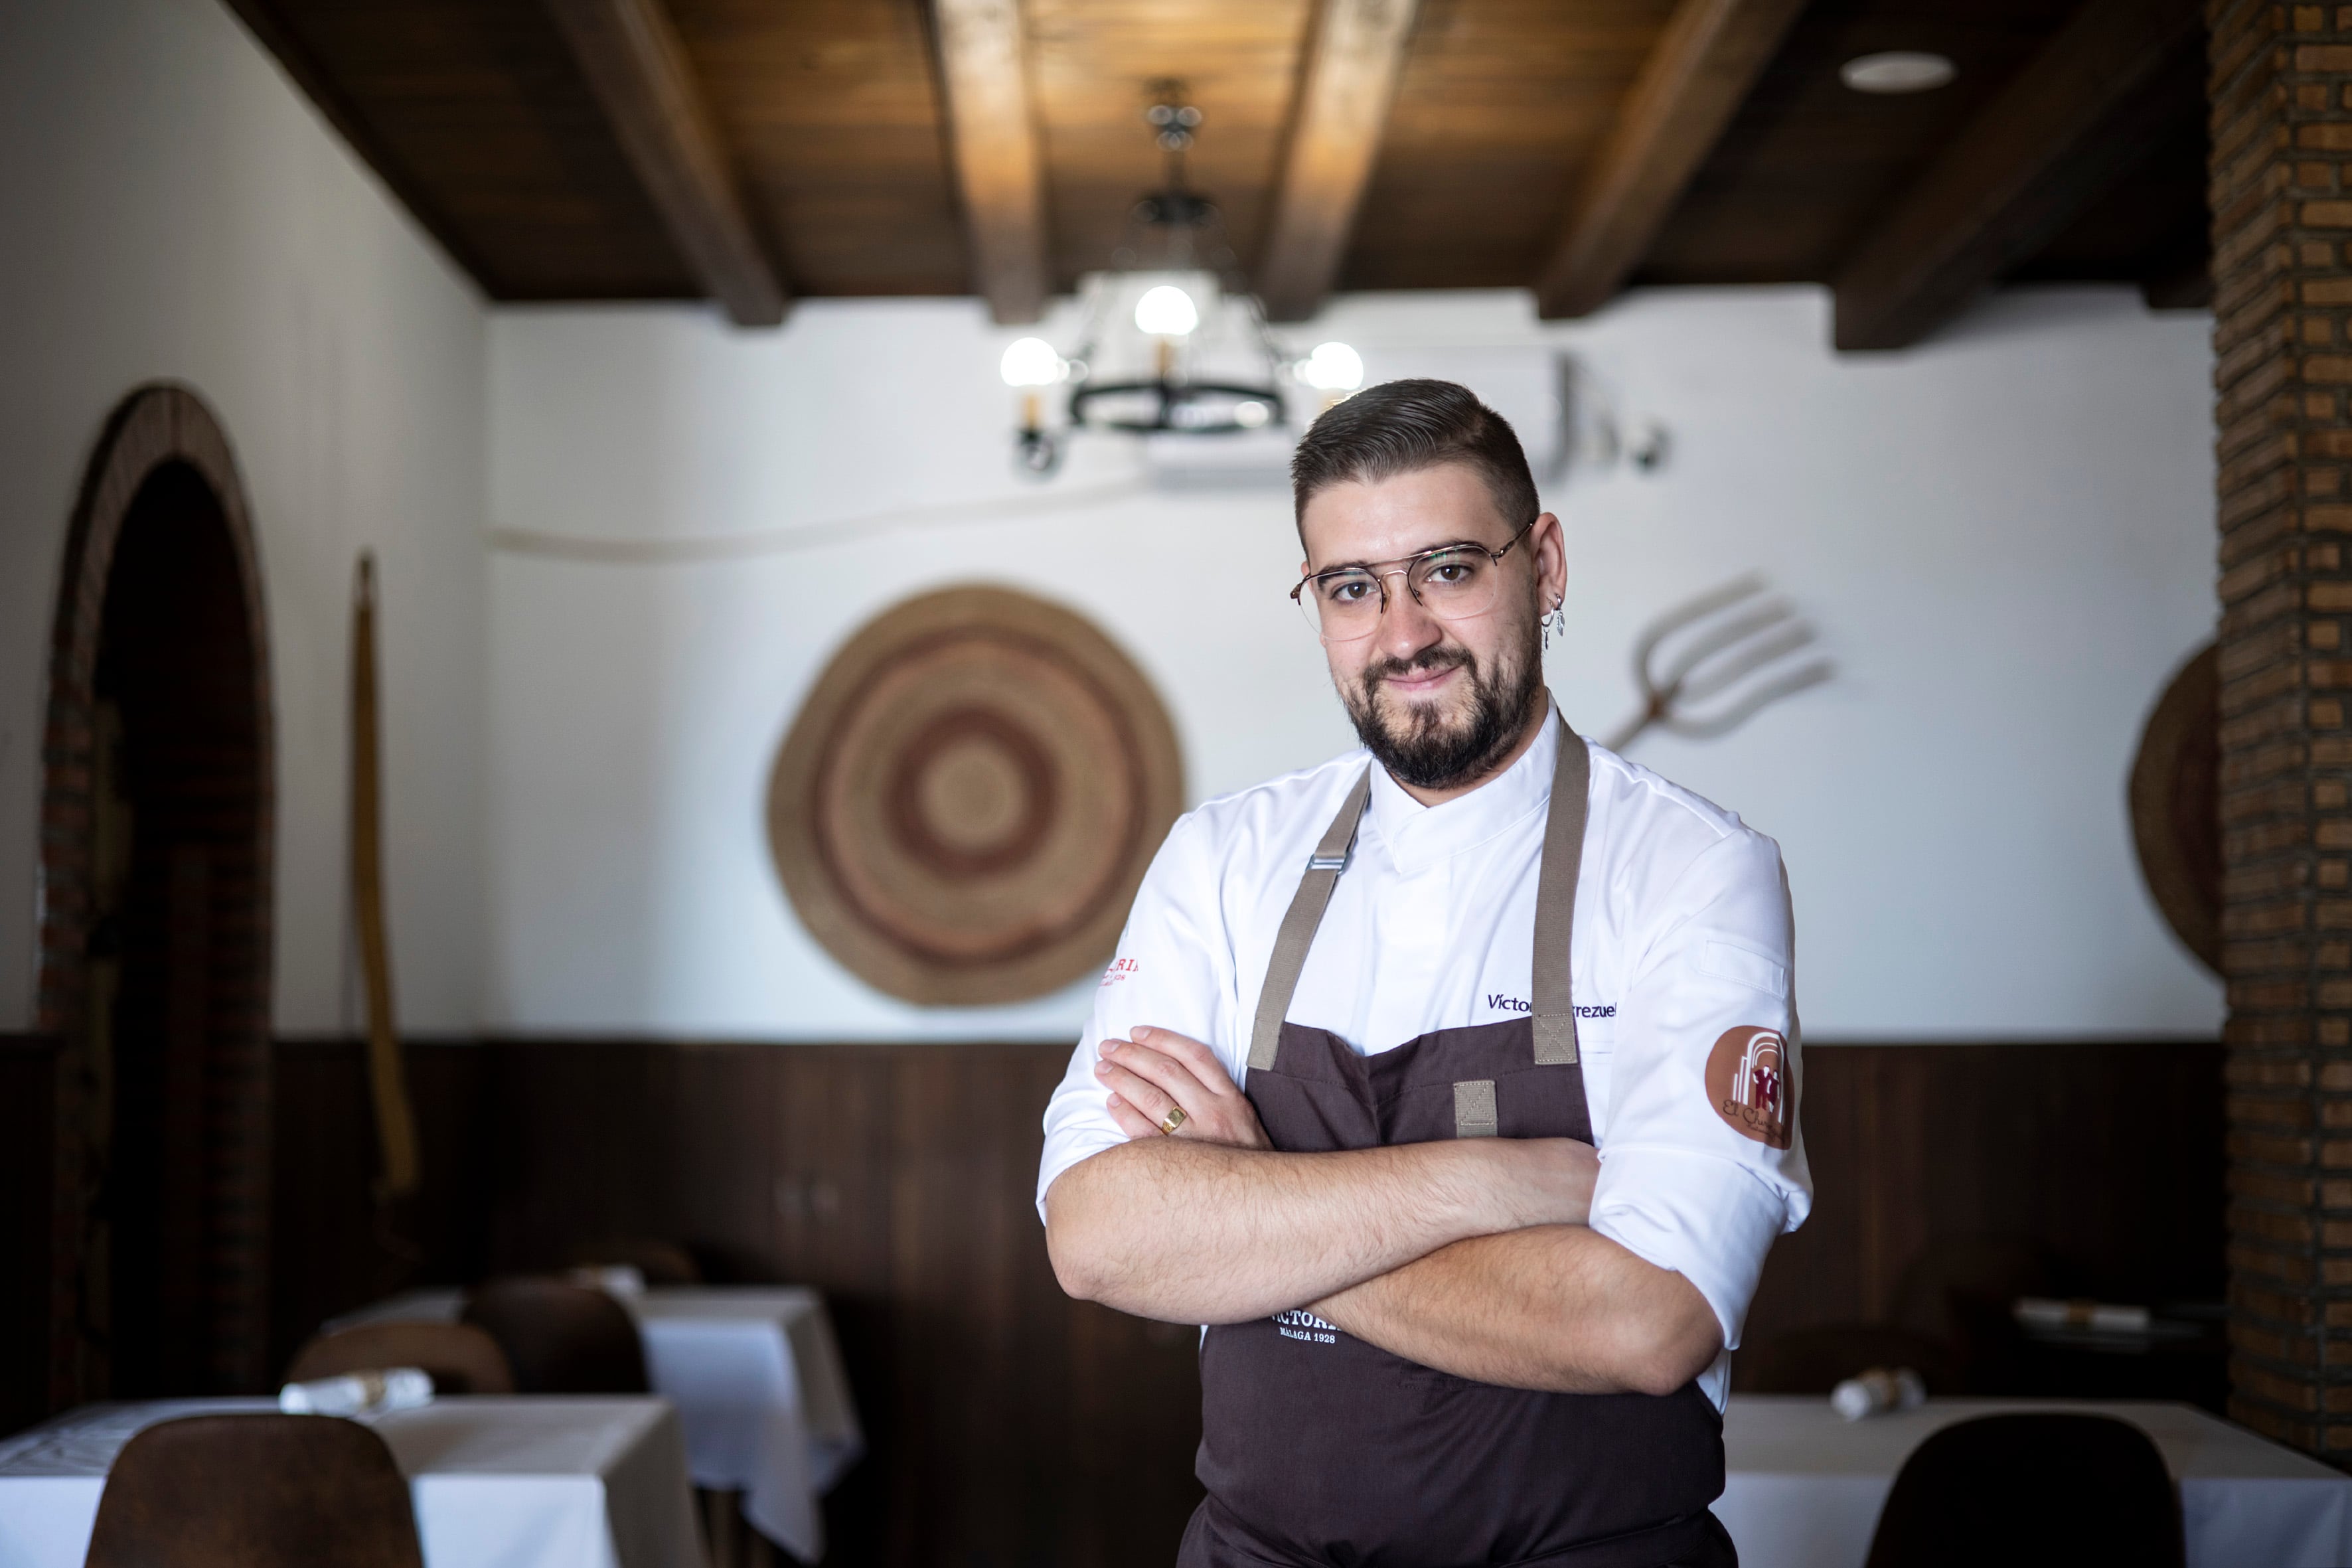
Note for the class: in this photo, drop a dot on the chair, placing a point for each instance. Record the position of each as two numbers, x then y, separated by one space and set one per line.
1816 1359
2030 1488
461 1358
255 1491
660 1262
561 1338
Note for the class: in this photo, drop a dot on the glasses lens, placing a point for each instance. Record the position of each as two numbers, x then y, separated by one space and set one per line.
1456 583
1341 606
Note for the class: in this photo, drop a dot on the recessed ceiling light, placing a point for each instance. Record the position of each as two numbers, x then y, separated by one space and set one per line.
1896 70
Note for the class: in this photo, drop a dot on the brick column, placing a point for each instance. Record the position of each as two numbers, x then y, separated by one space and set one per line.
2281 96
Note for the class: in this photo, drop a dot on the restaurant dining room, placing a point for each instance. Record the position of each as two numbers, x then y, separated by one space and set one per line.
707 708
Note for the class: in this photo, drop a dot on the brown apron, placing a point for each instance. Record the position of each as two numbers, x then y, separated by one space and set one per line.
1318 1449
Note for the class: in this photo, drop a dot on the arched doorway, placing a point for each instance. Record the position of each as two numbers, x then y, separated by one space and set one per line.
155 917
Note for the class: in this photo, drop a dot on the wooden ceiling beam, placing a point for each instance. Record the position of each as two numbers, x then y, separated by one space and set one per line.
1694 79
1353 59
1000 167
2075 116
639 72
264 19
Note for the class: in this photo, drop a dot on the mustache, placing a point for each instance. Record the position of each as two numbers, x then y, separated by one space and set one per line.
1429 661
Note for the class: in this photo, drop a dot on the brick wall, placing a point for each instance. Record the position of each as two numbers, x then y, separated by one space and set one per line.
229 809
2281 101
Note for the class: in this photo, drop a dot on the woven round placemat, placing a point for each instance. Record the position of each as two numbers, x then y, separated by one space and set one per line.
970 795
2176 805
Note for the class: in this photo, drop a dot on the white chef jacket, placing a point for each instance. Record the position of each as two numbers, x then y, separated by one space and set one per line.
1683 934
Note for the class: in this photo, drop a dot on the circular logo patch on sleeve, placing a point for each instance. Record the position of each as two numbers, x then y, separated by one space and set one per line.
1747 1081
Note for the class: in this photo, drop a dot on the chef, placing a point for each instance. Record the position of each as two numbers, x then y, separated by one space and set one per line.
1452 1082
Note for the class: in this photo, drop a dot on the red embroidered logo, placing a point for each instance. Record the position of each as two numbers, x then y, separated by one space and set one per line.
1120 968
1747 1081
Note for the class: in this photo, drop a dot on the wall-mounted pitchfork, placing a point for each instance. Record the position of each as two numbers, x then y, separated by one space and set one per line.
1728 661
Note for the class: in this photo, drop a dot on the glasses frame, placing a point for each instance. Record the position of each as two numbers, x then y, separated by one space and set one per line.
1381 571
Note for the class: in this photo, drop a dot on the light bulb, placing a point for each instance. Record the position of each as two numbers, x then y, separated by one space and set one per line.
1166 311
1031 362
1332 367
1896 70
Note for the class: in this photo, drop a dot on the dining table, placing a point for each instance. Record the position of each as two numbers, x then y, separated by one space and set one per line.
757 1377
1803 1486
495 1481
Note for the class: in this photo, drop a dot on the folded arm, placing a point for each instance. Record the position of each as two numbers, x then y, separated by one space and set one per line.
1215 1226
1466 1255
1555 1307
1191 1231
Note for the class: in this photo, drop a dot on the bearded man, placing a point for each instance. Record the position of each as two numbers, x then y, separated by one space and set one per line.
1450 1083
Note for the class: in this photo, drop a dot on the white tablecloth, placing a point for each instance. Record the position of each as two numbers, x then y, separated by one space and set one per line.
759 1385
495 1483
1804 1488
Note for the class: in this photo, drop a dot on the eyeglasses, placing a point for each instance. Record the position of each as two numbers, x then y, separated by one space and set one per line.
1453 582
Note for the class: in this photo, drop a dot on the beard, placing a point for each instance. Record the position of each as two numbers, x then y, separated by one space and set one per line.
1433 748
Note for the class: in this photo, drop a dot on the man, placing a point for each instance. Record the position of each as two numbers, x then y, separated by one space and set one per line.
1343 1089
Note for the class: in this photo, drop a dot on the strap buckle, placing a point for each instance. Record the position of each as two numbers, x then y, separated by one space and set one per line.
1328 862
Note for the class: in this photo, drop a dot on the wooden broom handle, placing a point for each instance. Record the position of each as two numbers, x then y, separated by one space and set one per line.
395 1127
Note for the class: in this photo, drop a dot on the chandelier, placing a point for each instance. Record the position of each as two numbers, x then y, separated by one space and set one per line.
1171 342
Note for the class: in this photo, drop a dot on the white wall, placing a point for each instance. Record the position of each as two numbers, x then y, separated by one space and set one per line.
171 207
2005 536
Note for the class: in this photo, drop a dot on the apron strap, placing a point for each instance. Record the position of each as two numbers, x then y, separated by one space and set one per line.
1297 932
1563 856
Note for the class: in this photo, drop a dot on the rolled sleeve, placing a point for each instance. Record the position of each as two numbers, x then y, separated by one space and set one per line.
1705 1218
1173 971
1691 1180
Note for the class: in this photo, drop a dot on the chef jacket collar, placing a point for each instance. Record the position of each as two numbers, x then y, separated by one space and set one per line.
1418 837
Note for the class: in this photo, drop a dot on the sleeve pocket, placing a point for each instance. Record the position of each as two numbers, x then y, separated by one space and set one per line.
1742 967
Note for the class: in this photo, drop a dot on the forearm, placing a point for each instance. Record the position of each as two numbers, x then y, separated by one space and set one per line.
1559 1308
1202 1233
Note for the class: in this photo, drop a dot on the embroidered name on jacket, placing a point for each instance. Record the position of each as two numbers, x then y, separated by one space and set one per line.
1497 1001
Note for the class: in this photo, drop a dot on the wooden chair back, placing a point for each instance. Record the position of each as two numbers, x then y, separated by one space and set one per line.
2036 1487
561 1338
660 1262
258 1490
461 1358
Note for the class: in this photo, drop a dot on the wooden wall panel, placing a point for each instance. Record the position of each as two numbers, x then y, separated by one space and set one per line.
973 1302
828 1202
1009 1425
332 1248
900 1181
2108 1157
27 1179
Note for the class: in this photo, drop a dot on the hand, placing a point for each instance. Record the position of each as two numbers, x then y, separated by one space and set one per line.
1160 1069
1544 1181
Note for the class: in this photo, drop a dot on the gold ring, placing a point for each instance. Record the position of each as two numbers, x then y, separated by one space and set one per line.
1173 1120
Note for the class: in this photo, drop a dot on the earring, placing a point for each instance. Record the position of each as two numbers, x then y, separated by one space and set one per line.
1555 623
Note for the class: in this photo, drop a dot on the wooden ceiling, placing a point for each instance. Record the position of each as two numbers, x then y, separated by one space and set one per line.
750 151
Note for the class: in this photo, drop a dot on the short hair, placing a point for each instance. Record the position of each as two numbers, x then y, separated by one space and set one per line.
1402 428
